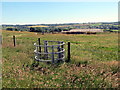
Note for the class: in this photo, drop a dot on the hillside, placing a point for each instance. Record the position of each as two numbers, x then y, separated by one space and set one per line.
63 27
38 26
94 62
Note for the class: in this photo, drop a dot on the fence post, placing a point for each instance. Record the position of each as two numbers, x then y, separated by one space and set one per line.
39 44
52 54
43 32
14 41
62 46
68 52
1 39
45 49
59 54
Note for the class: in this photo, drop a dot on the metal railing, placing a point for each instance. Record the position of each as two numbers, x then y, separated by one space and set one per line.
50 51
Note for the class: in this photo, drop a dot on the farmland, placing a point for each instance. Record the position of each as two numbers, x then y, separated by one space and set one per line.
38 26
94 62
110 27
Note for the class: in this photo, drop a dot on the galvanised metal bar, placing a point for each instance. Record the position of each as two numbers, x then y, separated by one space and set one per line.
49 45
49 52
41 55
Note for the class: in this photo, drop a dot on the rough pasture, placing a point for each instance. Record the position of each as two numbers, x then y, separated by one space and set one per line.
94 62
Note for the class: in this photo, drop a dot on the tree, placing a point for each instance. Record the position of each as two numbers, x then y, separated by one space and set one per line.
32 29
10 29
65 29
16 29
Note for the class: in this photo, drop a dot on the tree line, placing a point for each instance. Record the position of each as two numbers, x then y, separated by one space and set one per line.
64 27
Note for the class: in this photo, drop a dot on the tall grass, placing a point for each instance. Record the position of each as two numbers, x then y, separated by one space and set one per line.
94 59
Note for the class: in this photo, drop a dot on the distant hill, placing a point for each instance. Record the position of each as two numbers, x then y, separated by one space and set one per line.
38 26
62 27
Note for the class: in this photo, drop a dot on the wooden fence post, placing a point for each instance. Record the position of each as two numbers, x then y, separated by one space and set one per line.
39 48
62 46
1 39
68 52
52 54
39 44
59 54
46 49
14 41
43 32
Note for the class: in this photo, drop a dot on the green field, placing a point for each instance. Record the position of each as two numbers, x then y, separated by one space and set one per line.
94 62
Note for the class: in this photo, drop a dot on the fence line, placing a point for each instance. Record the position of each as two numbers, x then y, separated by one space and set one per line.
42 52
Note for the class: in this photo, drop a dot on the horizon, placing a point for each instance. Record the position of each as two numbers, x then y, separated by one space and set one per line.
60 23
58 12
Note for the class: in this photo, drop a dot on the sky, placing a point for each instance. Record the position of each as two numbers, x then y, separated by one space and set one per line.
58 12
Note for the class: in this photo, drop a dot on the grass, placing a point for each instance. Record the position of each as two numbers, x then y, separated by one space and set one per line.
94 62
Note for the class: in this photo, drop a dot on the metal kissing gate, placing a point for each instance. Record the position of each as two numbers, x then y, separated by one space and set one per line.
50 51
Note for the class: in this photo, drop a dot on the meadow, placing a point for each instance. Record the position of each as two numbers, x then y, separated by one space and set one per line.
94 62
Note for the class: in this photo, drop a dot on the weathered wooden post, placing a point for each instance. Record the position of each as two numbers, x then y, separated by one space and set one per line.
46 49
62 46
39 47
14 41
39 44
1 39
43 31
59 54
68 52
52 54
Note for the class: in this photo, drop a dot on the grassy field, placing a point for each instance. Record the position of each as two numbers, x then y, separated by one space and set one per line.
94 62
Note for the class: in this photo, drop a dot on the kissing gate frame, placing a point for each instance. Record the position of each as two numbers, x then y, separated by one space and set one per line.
50 53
